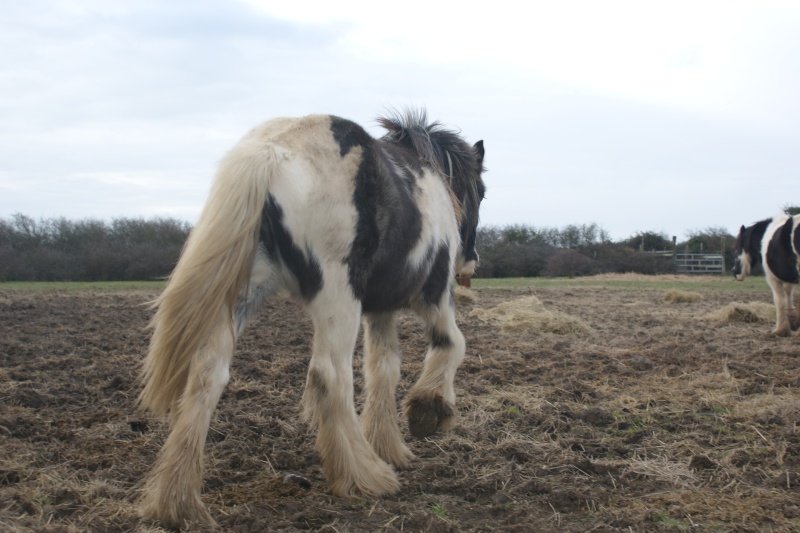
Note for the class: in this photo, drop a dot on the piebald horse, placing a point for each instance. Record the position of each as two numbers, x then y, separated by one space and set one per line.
773 242
356 228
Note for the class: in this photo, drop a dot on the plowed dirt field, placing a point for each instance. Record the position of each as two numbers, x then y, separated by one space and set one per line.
656 418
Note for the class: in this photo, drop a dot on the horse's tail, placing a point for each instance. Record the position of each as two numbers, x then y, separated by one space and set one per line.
214 267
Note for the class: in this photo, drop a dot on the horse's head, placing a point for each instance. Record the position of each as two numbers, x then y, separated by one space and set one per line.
748 248
743 262
467 259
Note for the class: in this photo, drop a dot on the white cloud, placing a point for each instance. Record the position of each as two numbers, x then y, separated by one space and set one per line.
144 181
684 54
8 183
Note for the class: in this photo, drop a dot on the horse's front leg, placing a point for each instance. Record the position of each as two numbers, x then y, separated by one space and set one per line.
430 404
381 375
781 295
348 460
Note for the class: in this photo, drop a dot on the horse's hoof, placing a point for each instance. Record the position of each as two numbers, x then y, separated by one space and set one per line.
378 479
176 516
426 416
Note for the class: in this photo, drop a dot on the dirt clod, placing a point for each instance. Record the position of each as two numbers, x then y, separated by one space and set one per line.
298 480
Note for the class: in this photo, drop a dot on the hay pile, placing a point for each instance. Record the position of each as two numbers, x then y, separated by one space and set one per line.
682 297
465 295
751 313
529 314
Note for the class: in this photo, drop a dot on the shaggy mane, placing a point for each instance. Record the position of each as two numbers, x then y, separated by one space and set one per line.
444 149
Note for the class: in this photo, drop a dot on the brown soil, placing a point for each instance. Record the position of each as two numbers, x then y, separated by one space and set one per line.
655 420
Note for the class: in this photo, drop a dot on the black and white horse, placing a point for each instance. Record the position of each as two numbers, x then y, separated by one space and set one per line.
773 242
356 228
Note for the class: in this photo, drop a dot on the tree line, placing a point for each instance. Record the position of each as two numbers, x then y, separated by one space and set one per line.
59 249
125 249
583 250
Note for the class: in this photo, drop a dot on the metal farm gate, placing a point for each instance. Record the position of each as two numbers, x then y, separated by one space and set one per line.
699 263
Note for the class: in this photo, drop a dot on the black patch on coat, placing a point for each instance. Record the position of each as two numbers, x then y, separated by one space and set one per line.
316 385
469 241
440 339
365 195
439 277
389 222
780 257
392 283
281 247
749 240
796 243
348 134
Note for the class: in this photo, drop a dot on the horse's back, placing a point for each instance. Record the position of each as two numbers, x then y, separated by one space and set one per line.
311 135
341 197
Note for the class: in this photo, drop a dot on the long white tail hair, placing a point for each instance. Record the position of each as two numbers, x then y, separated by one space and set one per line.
213 268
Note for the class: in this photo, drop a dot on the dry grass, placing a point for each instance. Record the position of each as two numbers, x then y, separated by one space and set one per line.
767 407
464 295
631 276
661 469
748 313
682 297
529 314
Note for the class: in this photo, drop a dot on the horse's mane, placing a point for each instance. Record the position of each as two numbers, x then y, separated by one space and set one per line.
445 150
442 149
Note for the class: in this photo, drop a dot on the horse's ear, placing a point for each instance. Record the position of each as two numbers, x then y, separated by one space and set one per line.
479 151
741 230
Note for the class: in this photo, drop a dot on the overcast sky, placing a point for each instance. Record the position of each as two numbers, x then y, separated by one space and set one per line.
638 116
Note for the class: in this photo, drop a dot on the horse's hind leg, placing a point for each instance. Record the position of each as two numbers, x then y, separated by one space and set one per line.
348 460
172 493
430 404
382 374
794 309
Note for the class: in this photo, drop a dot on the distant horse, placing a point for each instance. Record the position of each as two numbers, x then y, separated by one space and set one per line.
353 227
775 243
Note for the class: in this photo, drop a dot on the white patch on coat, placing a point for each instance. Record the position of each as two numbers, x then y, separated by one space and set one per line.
315 192
438 219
